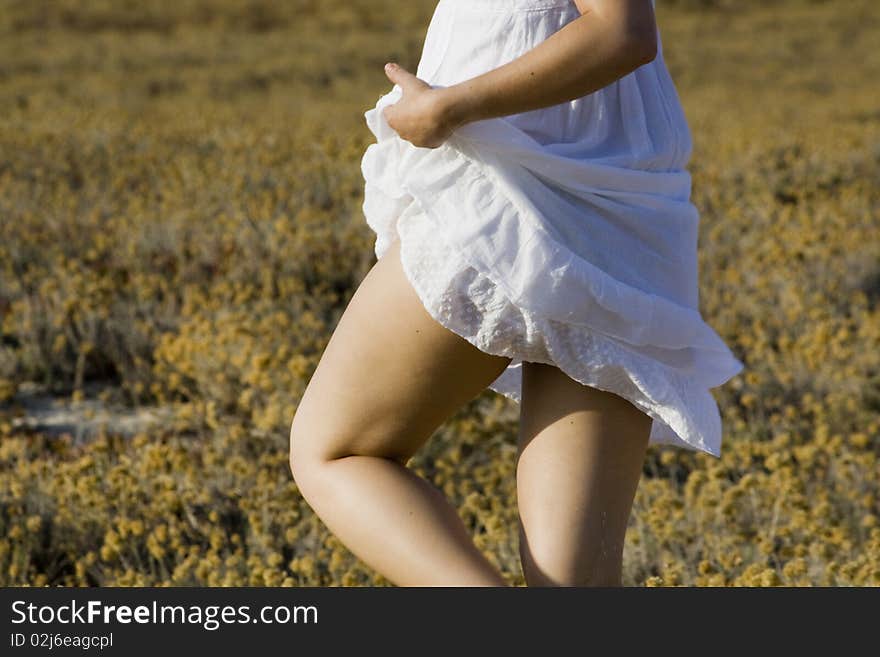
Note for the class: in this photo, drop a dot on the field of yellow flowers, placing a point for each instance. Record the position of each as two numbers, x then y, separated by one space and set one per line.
180 220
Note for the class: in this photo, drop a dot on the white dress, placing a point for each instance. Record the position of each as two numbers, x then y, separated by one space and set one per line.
563 235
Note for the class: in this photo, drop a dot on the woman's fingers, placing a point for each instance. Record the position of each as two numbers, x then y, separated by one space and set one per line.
399 75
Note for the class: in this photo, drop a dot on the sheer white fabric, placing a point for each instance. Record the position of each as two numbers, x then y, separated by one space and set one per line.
564 235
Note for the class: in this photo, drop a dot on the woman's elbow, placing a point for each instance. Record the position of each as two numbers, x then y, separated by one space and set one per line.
641 46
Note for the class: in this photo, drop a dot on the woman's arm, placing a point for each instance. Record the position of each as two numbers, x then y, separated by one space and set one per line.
610 39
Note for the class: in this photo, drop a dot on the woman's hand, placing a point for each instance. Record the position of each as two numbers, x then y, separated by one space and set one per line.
421 116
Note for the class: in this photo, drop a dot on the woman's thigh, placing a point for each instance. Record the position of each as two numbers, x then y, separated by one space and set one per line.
581 454
389 376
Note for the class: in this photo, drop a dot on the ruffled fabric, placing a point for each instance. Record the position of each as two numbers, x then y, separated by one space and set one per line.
485 244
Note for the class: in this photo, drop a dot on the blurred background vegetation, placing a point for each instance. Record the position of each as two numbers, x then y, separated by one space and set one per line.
180 228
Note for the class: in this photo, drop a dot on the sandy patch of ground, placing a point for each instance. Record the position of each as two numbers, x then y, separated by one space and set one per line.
35 409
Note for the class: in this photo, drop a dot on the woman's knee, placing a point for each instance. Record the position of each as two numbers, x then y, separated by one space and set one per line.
309 449
550 563
304 461
539 570
313 446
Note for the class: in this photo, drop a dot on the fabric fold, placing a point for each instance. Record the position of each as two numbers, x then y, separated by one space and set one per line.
488 221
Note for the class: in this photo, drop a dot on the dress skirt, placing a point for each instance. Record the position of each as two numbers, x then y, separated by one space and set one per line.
563 235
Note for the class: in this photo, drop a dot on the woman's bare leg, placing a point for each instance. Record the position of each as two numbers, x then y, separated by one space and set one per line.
580 460
390 375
